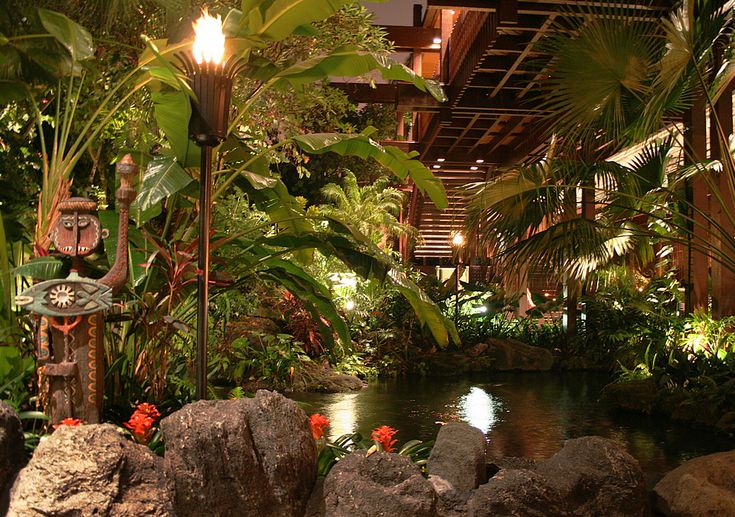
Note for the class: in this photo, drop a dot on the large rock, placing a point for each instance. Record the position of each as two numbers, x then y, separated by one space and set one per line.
509 354
458 456
381 484
596 476
516 493
636 395
702 486
239 457
321 378
90 470
11 450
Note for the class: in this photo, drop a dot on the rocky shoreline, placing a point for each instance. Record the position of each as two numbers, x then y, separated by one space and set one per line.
257 457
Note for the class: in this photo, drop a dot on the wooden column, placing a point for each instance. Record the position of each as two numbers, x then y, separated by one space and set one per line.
723 279
697 278
574 288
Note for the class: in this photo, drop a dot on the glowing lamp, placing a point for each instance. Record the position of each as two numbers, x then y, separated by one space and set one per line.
458 240
209 39
210 76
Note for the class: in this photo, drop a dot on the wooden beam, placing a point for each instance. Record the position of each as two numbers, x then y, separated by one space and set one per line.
409 38
405 97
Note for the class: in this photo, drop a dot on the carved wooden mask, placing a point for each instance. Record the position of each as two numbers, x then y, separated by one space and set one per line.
77 232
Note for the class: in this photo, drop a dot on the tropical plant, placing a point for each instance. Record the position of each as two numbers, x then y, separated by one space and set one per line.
373 208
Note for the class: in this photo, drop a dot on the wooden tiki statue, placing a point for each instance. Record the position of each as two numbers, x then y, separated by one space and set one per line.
70 348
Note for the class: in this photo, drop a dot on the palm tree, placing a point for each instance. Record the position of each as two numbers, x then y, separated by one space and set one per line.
529 215
616 81
373 208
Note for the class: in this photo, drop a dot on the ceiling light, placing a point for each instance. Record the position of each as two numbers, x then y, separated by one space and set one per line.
474 168
480 161
440 159
437 167
436 41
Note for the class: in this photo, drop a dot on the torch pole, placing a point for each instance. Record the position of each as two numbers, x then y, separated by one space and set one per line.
205 203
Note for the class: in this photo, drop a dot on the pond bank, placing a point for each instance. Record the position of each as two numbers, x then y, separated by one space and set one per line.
522 414
257 457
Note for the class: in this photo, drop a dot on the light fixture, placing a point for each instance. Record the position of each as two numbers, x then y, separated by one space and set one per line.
474 168
441 159
349 305
210 77
480 161
458 240
436 167
437 40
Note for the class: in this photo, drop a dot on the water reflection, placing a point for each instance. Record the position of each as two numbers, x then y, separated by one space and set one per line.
342 415
478 409
526 415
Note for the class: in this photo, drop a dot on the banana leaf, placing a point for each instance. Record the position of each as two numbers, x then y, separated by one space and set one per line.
361 145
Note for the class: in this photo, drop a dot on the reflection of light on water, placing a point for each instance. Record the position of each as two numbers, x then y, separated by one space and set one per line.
342 416
478 409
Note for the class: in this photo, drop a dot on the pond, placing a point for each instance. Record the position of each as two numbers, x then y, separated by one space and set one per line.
522 414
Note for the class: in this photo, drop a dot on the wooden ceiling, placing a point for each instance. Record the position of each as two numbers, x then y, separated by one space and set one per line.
490 120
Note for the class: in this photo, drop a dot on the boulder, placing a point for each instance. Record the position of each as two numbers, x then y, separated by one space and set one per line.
477 350
516 493
381 484
637 395
497 463
239 457
321 378
458 456
509 354
596 476
90 470
11 450
702 486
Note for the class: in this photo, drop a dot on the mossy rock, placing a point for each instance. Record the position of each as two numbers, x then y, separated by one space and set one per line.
638 395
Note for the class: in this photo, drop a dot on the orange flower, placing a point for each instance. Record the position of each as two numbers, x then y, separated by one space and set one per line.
318 423
71 422
141 422
384 436
148 410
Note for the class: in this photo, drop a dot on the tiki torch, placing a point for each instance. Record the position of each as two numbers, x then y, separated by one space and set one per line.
210 77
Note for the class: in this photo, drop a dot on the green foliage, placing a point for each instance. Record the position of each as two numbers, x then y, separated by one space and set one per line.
627 321
418 451
16 374
276 359
478 328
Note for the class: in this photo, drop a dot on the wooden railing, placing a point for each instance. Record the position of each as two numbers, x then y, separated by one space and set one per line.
472 35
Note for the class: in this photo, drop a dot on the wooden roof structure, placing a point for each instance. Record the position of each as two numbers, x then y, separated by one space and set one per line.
481 51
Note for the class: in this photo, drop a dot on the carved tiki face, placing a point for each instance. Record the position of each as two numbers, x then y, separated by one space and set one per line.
77 232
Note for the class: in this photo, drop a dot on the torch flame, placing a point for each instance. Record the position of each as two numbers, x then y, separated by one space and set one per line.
209 40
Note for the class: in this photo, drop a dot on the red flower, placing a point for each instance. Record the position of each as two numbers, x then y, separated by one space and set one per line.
148 410
141 422
71 422
318 423
384 436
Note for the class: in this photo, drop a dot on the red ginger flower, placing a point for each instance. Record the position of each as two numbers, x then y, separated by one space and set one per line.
148 410
318 423
70 422
384 436
141 422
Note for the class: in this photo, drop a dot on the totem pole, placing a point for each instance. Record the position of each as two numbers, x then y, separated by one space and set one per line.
70 347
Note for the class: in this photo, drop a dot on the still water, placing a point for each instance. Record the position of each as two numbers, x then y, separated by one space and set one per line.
522 414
